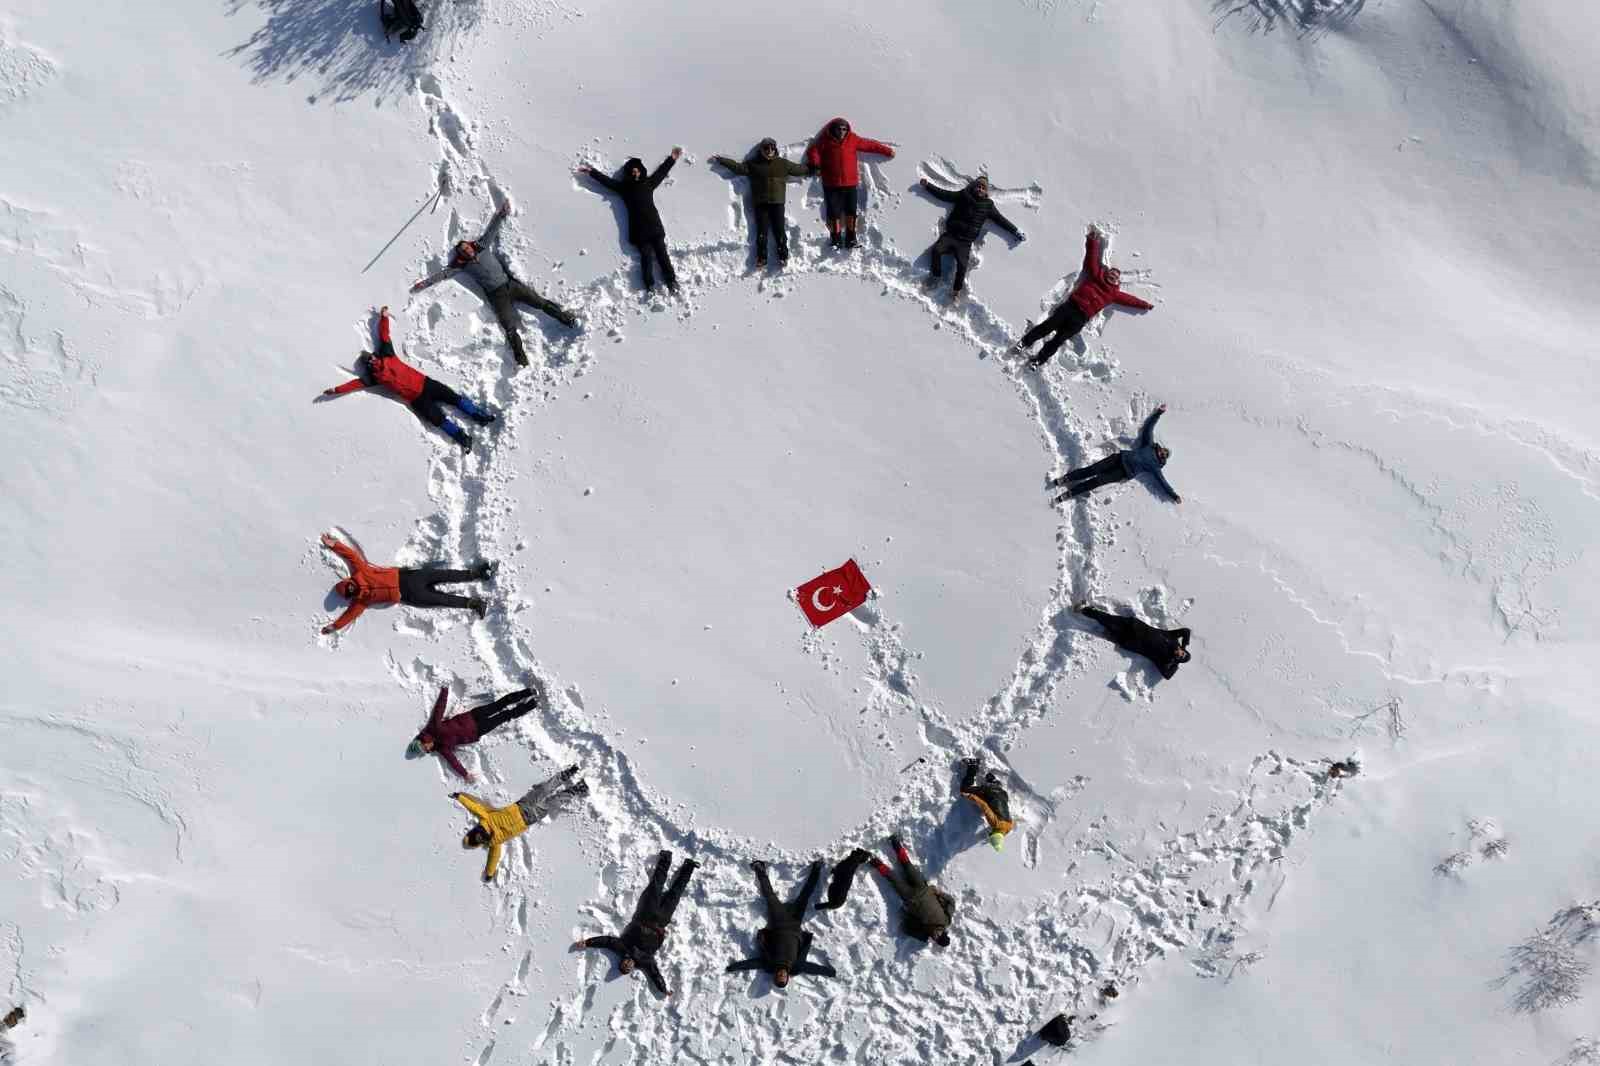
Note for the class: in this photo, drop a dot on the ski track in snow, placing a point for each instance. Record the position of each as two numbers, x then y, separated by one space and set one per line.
1013 969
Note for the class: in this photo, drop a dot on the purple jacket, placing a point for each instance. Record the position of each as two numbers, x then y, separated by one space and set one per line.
450 733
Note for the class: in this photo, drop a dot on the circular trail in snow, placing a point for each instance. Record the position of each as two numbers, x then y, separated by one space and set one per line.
707 467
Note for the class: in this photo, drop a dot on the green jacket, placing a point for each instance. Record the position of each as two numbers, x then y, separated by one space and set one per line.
769 178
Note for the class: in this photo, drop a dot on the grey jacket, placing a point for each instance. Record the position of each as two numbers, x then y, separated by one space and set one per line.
1143 459
487 268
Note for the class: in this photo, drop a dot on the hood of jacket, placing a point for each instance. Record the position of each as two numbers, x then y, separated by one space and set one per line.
766 141
834 121
627 169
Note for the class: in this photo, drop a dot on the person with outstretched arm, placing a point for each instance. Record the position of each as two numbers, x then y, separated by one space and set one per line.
783 943
499 825
416 587
833 154
973 209
1168 649
644 934
1098 287
442 736
426 397
481 261
991 799
843 876
769 175
928 909
1145 457
646 232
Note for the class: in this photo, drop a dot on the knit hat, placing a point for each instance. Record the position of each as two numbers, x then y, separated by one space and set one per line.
414 749
997 840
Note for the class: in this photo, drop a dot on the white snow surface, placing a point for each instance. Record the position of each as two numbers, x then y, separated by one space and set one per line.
1369 229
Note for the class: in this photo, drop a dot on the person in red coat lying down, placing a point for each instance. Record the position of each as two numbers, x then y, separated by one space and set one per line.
1097 289
833 155
426 397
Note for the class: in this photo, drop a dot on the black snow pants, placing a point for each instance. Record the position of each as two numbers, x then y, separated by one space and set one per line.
658 249
504 300
1107 471
948 245
843 876
507 707
1066 322
417 586
656 907
770 217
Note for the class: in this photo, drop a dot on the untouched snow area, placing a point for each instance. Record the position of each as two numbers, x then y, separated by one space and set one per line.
1369 231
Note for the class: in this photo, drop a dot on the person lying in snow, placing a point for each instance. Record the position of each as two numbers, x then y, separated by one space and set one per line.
442 736
1096 289
400 17
637 191
417 587
500 287
426 397
643 936
783 943
973 209
1167 648
990 799
833 154
499 825
769 175
1145 457
843 876
928 910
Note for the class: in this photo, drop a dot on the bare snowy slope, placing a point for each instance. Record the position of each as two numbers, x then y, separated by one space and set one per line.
1368 231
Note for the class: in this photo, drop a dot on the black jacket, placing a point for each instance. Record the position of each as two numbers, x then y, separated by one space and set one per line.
971 211
639 941
639 197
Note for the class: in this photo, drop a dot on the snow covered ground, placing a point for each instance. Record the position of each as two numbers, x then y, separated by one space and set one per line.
1368 228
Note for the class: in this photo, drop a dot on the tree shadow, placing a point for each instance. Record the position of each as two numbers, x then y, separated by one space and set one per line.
1307 17
339 45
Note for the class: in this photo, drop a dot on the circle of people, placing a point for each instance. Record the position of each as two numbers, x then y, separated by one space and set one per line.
783 945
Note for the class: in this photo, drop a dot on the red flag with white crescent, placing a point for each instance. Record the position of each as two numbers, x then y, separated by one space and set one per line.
837 592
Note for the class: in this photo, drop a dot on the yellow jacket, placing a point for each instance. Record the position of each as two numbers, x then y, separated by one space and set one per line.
501 823
996 823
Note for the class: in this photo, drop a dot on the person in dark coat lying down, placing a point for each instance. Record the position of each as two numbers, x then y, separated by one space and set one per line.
1145 457
644 934
637 190
769 175
783 942
1167 648
973 209
928 910
843 876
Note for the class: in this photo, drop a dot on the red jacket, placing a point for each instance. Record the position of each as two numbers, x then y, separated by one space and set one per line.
837 158
388 371
450 733
1093 291
374 584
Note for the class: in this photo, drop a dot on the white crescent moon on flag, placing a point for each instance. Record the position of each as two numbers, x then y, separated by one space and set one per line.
816 599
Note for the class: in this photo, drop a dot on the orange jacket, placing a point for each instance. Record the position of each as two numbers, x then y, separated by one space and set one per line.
374 584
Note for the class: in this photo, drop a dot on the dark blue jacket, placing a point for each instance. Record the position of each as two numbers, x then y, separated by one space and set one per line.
1142 458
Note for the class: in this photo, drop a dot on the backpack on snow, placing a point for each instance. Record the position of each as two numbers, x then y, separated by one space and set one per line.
401 17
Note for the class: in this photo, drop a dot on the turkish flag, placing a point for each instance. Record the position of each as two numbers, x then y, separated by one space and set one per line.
829 595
